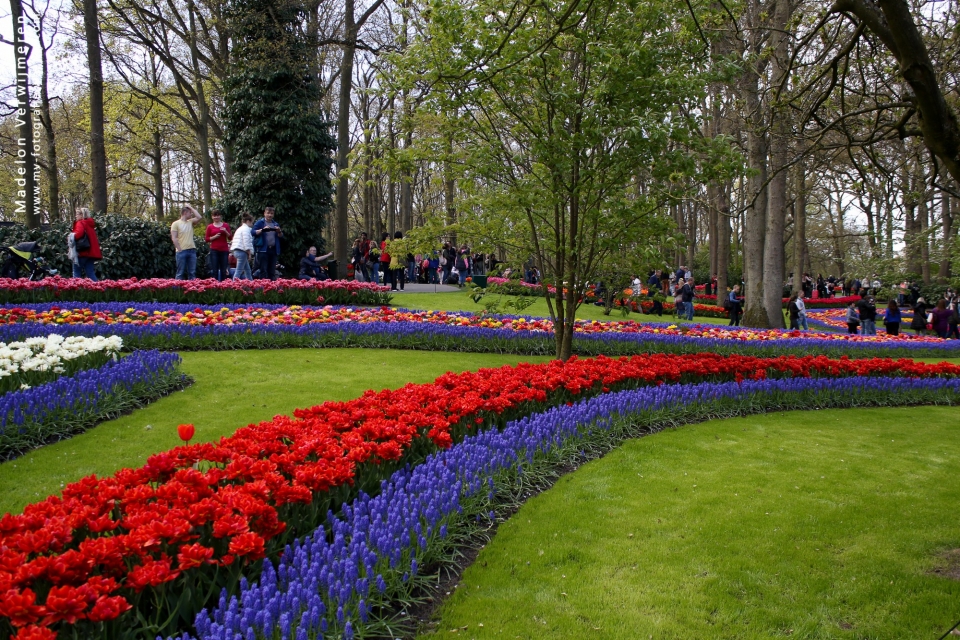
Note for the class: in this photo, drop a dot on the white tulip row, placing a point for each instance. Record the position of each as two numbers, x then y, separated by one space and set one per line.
51 353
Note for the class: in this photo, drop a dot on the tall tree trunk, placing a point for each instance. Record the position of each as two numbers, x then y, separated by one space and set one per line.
946 222
924 238
203 126
774 258
755 216
52 170
98 153
800 229
157 157
341 231
910 225
25 162
723 239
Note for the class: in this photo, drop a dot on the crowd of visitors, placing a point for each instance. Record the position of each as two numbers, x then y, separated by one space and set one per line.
253 251
445 265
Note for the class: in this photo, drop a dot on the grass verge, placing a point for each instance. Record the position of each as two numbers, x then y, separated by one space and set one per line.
800 525
459 301
231 389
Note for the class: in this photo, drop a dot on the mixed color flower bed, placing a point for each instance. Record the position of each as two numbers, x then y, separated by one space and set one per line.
43 359
191 519
237 327
71 404
193 291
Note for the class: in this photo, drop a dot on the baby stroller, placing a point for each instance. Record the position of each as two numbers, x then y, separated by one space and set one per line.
19 258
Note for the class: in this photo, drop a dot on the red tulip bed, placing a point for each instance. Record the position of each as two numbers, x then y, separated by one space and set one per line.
149 547
193 291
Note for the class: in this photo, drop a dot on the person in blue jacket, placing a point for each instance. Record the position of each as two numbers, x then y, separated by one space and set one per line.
892 318
266 240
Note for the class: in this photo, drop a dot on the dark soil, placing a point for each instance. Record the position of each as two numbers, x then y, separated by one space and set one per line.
948 565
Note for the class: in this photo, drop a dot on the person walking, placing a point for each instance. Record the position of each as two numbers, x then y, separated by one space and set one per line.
919 322
853 320
687 294
399 272
733 298
892 318
463 265
242 248
266 240
181 234
385 262
218 236
87 245
653 290
868 315
373 261
802 317
941 319
794 311
358 260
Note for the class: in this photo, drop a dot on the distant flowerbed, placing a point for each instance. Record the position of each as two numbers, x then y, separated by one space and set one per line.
113 556
236 326
193 291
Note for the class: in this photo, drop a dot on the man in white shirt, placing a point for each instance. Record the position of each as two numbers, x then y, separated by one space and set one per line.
242 247
802 313
181 233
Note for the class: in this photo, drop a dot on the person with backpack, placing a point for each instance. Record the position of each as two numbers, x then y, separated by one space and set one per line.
919 322
86 244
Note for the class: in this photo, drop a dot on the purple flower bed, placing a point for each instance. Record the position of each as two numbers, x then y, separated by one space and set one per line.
68 405
407 335
343 579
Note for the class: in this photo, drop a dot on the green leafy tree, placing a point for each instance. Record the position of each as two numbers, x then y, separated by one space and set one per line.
282 149
572 123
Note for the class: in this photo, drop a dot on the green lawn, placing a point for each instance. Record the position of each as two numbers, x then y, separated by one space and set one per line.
800 525
232 389
460 301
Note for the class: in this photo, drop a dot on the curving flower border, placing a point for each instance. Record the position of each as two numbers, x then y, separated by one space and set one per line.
190 518
343 579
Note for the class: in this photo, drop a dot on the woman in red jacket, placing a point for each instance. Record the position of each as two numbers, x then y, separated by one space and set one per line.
84 227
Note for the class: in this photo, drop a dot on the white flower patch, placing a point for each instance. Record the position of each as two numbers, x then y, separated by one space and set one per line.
49 354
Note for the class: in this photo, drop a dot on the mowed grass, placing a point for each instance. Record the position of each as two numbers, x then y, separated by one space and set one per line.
460 301
814 525
232 389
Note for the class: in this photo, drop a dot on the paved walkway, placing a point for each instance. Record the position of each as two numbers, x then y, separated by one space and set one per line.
411 287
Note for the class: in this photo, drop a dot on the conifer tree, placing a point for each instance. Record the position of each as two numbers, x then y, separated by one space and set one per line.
282 149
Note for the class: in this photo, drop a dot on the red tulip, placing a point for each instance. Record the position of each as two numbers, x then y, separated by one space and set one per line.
185 431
